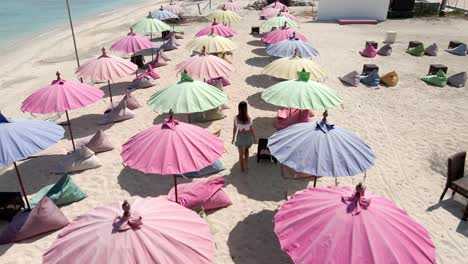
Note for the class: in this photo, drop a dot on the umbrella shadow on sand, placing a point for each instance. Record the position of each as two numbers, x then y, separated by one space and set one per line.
265 186
456 208
256 101
256 43
119 88
35 174
253 240
260 52
260 62
86 125
138 183
261 80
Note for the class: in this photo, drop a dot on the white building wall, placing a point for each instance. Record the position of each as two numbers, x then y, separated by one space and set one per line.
352 9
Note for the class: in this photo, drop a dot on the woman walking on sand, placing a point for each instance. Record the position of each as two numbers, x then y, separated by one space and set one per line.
243 134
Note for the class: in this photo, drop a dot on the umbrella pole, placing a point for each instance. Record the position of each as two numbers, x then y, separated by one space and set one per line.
21 185
136 72
188 115
73 35
70 129
175 188
315 181
152 49
110 93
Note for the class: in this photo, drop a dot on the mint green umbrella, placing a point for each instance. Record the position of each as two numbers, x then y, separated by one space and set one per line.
302 94
277 22
187 96
149 25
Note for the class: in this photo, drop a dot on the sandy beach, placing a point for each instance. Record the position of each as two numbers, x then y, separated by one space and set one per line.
412 128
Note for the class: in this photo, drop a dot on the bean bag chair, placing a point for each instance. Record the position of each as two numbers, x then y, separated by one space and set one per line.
352 78
98 143
289 116
131 101
175 34
369 51
439 79
80 160
43 218
210 115
372 80
142 83
432 50
385 50
457 80
417 51
163 55
63 192
212 169
390 79
203 194
157 62
118 114
170 44
461 50
219 82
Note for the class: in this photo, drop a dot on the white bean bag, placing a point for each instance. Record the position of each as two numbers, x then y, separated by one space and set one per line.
80 160
118 114
98 143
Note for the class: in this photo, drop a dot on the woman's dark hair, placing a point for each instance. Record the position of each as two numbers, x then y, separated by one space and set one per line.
243 117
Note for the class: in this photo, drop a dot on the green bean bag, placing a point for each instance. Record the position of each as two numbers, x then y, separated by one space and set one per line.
63 192
439 79
417 51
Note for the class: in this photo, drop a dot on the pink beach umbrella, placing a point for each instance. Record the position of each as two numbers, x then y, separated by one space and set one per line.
278 5
337 225
106 68
149 230
172 148
205 67
61 96
217 29
132 43
230 5
174 8
281 34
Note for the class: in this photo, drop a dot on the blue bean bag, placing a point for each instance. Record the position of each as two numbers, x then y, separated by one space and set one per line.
212 169
461 50
373 79
63 192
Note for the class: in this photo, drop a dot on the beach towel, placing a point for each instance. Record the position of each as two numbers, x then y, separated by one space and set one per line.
373 79
43 218
352 78
385 50
118 114
460 50
417 51
439 79
210 115
212 169
390 79
457 80
79 160
369 51
98 143
432 50
63 192
203 194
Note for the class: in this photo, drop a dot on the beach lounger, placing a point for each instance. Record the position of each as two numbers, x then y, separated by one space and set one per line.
455 178
10 204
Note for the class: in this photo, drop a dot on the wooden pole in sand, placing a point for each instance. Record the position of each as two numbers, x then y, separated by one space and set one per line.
73 33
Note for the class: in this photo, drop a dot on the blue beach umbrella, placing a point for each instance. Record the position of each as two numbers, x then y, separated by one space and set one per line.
286 48
321 149
21 138
162 14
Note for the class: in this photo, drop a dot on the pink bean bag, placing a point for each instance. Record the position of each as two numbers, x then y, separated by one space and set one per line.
369 52
287 117
43 218
206 194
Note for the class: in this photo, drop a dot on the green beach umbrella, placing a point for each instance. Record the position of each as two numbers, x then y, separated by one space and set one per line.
187 96
302 94
277 22
149 25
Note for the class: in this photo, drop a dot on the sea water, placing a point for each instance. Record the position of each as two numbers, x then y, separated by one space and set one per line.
22 17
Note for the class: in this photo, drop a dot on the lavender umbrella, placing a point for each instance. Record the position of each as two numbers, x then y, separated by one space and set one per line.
21 138
321 149
287 47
